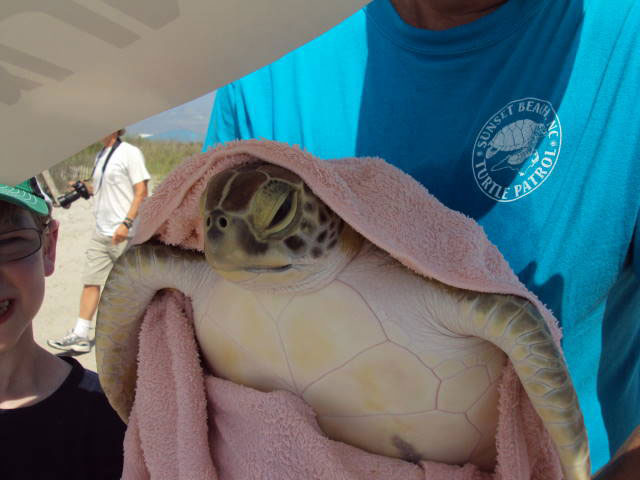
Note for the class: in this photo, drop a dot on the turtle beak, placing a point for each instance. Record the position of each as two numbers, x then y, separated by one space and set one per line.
229 242
230 245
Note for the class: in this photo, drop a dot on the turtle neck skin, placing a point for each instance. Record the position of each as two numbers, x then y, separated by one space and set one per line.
443 14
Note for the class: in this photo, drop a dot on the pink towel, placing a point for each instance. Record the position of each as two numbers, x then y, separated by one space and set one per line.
188 425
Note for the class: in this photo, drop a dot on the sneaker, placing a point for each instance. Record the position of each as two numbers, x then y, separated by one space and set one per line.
71 342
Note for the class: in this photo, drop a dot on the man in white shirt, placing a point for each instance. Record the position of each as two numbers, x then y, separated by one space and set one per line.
119 184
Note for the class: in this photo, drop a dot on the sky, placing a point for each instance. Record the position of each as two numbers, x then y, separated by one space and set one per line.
193 116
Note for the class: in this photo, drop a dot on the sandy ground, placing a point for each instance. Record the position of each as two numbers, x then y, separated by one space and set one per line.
62 295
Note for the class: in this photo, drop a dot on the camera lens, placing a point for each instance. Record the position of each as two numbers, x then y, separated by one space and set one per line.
79 190
67 199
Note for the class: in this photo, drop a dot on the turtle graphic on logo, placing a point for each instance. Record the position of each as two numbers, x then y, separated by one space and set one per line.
516 149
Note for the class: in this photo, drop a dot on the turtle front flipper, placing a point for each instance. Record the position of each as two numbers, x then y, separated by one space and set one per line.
515 326
134 280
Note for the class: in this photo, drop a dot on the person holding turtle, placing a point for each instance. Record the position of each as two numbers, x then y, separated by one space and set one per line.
517 113
55 422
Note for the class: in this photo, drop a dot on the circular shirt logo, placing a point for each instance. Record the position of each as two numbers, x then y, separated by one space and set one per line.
517 149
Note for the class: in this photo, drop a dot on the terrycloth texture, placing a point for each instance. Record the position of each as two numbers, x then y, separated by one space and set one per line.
251 434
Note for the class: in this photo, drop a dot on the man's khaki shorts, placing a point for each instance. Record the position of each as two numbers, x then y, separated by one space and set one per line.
100 256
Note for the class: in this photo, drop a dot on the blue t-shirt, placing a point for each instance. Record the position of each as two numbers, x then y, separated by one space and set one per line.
527 120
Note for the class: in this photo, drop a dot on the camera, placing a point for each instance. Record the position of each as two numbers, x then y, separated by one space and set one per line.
79 190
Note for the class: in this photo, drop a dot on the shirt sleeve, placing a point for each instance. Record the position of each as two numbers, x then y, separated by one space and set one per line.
137 169
223 123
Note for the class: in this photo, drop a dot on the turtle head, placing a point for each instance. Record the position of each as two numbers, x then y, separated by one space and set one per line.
263 226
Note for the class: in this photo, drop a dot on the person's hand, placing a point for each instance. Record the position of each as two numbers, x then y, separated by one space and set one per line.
70 185
88 185
625 465
120 235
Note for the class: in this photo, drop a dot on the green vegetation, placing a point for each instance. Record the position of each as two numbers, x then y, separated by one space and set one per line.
160 157
163 156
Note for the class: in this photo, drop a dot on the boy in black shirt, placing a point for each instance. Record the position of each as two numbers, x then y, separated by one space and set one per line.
55 422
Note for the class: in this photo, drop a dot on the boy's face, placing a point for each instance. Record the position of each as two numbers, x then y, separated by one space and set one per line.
22 281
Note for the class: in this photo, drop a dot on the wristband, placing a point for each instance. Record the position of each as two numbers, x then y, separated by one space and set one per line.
127 222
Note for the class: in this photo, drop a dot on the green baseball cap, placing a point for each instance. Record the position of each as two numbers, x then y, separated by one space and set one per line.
26 194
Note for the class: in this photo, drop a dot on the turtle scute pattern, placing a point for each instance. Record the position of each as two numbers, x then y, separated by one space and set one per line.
350 367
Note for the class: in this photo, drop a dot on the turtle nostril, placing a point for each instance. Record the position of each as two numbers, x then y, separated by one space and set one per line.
222 222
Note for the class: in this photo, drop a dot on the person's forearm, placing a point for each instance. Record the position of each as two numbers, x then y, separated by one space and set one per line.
135 206
138 197
122 231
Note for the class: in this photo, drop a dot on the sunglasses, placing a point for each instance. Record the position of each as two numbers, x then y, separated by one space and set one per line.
20 243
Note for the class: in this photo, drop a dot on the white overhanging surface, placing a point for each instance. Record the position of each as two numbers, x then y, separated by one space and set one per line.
72 71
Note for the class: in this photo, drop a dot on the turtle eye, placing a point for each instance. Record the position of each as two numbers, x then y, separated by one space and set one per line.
284 215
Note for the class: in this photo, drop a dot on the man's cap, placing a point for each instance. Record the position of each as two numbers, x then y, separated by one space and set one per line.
26 194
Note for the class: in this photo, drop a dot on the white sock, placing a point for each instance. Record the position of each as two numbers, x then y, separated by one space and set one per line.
82 327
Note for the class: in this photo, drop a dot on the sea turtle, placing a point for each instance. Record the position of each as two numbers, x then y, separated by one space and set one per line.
288 296
519 140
